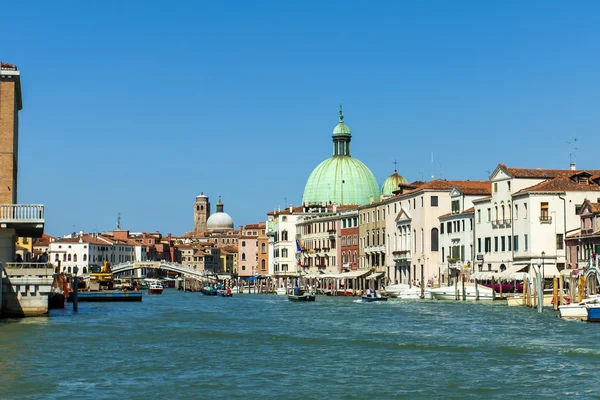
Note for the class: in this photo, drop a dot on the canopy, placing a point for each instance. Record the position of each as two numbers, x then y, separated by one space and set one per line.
353 274
375 275
512 272
569 272
550 271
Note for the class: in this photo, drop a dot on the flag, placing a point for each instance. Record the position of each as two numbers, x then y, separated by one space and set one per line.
298 248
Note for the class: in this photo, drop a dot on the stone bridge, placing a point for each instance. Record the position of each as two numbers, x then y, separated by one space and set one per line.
164 265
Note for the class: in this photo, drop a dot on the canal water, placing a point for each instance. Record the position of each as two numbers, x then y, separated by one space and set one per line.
190 346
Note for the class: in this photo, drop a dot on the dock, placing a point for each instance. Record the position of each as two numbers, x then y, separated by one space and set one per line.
106 296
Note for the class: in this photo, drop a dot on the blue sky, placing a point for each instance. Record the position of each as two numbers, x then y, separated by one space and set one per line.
135 107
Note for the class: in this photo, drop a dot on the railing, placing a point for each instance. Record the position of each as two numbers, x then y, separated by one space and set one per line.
507 223
587 231
403 255
546 219
27 265
21 213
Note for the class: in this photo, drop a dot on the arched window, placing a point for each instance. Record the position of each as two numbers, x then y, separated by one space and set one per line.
85 270
434 239
343 240
69 270
85 257
344 258
284 219
243 256
284 252
263 248
56 257
354 259
415 240
69 258
74 257
263 265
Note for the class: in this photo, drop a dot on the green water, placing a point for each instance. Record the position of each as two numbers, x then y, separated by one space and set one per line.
186 345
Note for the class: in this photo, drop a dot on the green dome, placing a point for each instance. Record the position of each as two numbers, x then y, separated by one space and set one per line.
341 179
341 129
391 183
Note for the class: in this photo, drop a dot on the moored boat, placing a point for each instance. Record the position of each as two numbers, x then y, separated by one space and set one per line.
593 312
281 291
209 291
578 310
224 293
470 293
395 290
155 288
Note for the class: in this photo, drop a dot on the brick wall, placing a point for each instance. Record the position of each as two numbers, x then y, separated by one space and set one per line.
8 170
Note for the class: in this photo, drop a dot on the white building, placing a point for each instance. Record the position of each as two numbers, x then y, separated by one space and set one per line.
414 226
527 217
88 252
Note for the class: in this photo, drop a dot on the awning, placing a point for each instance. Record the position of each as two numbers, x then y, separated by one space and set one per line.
221 277
550 271
569 272
375 275
353 274
485 275
510 272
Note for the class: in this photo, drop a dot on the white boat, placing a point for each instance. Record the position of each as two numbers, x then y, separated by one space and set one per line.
155 288
449 293
578 310
281 291
395 290
414 293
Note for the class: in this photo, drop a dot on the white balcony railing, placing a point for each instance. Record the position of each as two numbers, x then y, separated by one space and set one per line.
15 213
403 255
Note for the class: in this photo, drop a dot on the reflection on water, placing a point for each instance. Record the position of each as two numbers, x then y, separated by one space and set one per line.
185 345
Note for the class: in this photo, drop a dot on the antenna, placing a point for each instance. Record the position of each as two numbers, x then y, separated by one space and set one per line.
395 165
432 165
573 153
119 222
488 173
421 176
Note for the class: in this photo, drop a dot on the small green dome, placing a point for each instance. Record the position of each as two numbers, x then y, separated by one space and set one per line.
341 129
341 180
391 183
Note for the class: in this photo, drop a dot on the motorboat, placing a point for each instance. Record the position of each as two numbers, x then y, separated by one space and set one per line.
593 312
301 297
395 290
470 292
155 288
224 293
372 296
578 310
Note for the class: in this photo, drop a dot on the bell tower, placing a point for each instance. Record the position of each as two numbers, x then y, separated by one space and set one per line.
201 212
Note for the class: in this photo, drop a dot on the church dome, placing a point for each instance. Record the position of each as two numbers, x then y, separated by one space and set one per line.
341 179
391 183
219 220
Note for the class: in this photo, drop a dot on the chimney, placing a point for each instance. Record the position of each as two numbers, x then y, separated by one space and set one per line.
291 207
371 199
572 166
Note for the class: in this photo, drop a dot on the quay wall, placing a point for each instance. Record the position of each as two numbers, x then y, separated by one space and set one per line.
25 292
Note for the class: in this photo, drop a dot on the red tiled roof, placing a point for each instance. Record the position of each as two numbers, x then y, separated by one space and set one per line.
7 66
467 211
561 183
467 187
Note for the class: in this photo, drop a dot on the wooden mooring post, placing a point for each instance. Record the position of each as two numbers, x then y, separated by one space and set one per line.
555 294
493 288
525 294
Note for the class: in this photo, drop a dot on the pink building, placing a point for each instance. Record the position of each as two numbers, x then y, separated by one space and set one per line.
585 244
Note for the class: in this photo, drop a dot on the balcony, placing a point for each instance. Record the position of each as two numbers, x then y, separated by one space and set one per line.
546 219
26 219
401 255
588 231
272 233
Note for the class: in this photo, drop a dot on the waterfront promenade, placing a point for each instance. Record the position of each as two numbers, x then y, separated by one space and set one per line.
185 345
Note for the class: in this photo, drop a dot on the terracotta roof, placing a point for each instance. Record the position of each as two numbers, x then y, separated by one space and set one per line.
561 183
42 241
467 187
482 199
7 66
87 238
300 209
467 211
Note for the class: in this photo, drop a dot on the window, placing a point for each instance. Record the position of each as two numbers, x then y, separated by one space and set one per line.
488 245
243 243
442 228
479 245
516 243
263 248
455 206
421 201
343 240
559 241
489 214
434 239
84 257
495 243
516 211
74 257
509 243
544 212
526 242
434 201
69 257
355 239
502 243
508 185
449 226
478 216
495 187
525 210
284 219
